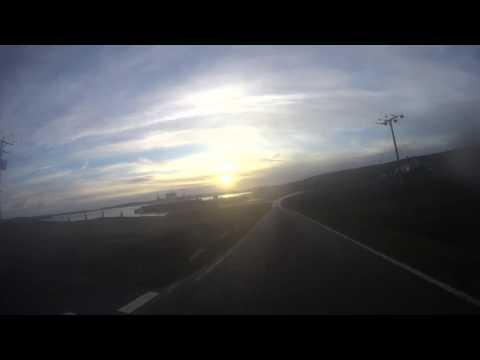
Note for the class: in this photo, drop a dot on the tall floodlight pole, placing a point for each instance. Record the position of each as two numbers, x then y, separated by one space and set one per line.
3 166
389 120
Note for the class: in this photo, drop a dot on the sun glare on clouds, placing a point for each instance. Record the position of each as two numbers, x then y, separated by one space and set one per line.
226 181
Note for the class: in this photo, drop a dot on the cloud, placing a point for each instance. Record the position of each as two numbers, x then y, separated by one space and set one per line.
95 122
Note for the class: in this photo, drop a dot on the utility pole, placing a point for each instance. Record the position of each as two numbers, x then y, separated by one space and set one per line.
3 167
388 120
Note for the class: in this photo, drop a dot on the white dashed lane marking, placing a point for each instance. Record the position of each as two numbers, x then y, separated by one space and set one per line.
196 253
138 302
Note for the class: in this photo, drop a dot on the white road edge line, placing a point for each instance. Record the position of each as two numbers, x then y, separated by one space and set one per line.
138 302
458 293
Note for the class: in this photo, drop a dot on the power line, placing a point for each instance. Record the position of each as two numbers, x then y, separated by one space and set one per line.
388 120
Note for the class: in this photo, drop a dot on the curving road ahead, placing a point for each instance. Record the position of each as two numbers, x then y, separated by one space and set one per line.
290 264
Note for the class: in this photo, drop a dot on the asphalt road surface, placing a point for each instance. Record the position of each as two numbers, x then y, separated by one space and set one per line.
289 264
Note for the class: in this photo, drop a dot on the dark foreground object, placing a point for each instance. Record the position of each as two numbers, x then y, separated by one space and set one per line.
98 266
427 218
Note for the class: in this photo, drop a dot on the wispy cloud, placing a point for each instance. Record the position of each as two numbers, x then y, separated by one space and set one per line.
95 122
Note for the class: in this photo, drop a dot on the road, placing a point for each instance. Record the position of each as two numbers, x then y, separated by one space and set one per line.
290 264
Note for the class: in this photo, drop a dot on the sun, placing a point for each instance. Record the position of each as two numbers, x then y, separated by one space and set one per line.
225 179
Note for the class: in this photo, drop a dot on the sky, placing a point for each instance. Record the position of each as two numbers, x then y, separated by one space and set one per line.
101 125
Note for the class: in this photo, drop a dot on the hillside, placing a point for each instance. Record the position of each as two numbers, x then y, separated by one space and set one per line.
426 217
